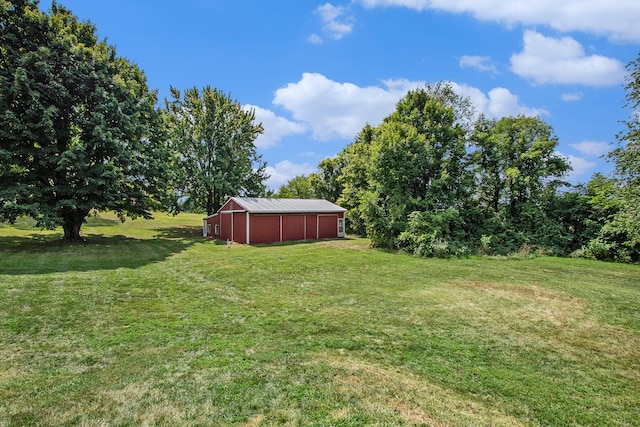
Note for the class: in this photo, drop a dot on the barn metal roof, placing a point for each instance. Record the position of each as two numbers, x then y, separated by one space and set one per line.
270 205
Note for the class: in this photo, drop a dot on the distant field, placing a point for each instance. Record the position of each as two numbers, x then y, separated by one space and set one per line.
147 323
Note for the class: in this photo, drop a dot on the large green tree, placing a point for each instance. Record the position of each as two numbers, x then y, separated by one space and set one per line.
517 161
299 187
622 233
518 172
417 165
215 138
354 180
79 129
443 131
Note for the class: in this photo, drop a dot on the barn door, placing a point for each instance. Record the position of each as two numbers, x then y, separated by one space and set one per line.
340 227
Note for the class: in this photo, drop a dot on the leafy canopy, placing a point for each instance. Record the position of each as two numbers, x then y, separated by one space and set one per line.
215 138
79 125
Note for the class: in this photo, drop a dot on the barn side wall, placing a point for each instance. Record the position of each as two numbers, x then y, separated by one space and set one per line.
312 226
293 227
239 227
264 228
231 224
327 226
270 228
211 223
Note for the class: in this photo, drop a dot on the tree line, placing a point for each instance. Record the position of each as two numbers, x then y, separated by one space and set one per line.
81 131
431 180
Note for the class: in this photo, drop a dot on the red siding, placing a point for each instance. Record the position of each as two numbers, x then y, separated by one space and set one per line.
327 226
312 227
239 227
225 226
292 227
268 228
264 228
227 206
211 223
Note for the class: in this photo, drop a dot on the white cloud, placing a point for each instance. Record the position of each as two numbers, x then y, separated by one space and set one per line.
617 20
563 61
337 110
399 87
340 110
582 168
572 96
336 23
285 171
499 102
480 63
503 103
592 148
315 39
275 127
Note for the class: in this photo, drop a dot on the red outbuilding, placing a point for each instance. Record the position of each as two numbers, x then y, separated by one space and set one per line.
266 220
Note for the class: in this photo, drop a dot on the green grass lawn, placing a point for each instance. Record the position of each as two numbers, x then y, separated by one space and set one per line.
147 323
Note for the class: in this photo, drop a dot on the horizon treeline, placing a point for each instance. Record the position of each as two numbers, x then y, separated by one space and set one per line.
82 131
435 180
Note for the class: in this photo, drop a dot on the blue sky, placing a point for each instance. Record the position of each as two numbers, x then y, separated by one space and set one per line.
317 72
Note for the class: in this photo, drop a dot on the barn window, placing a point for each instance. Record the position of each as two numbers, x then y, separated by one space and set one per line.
208 229
217 229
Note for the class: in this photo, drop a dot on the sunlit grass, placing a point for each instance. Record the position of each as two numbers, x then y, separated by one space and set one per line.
149 323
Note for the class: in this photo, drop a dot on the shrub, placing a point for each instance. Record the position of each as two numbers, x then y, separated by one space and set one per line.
437 235
485 244
599 249
583 252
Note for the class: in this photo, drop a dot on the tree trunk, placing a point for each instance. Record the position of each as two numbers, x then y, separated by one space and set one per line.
214 203
217 202
72 220
495 202
210 210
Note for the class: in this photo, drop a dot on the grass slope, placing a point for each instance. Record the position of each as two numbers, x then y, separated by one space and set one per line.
148 323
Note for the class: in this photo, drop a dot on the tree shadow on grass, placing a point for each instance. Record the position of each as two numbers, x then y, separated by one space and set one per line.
183 232
98 221
48 253
301 242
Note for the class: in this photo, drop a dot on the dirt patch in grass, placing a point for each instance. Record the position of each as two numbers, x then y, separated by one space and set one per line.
398 396
529 292
533 303
357 244
144 398
254 421
547 319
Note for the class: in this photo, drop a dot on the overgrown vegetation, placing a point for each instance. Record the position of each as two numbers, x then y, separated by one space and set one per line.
148 323
432 180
